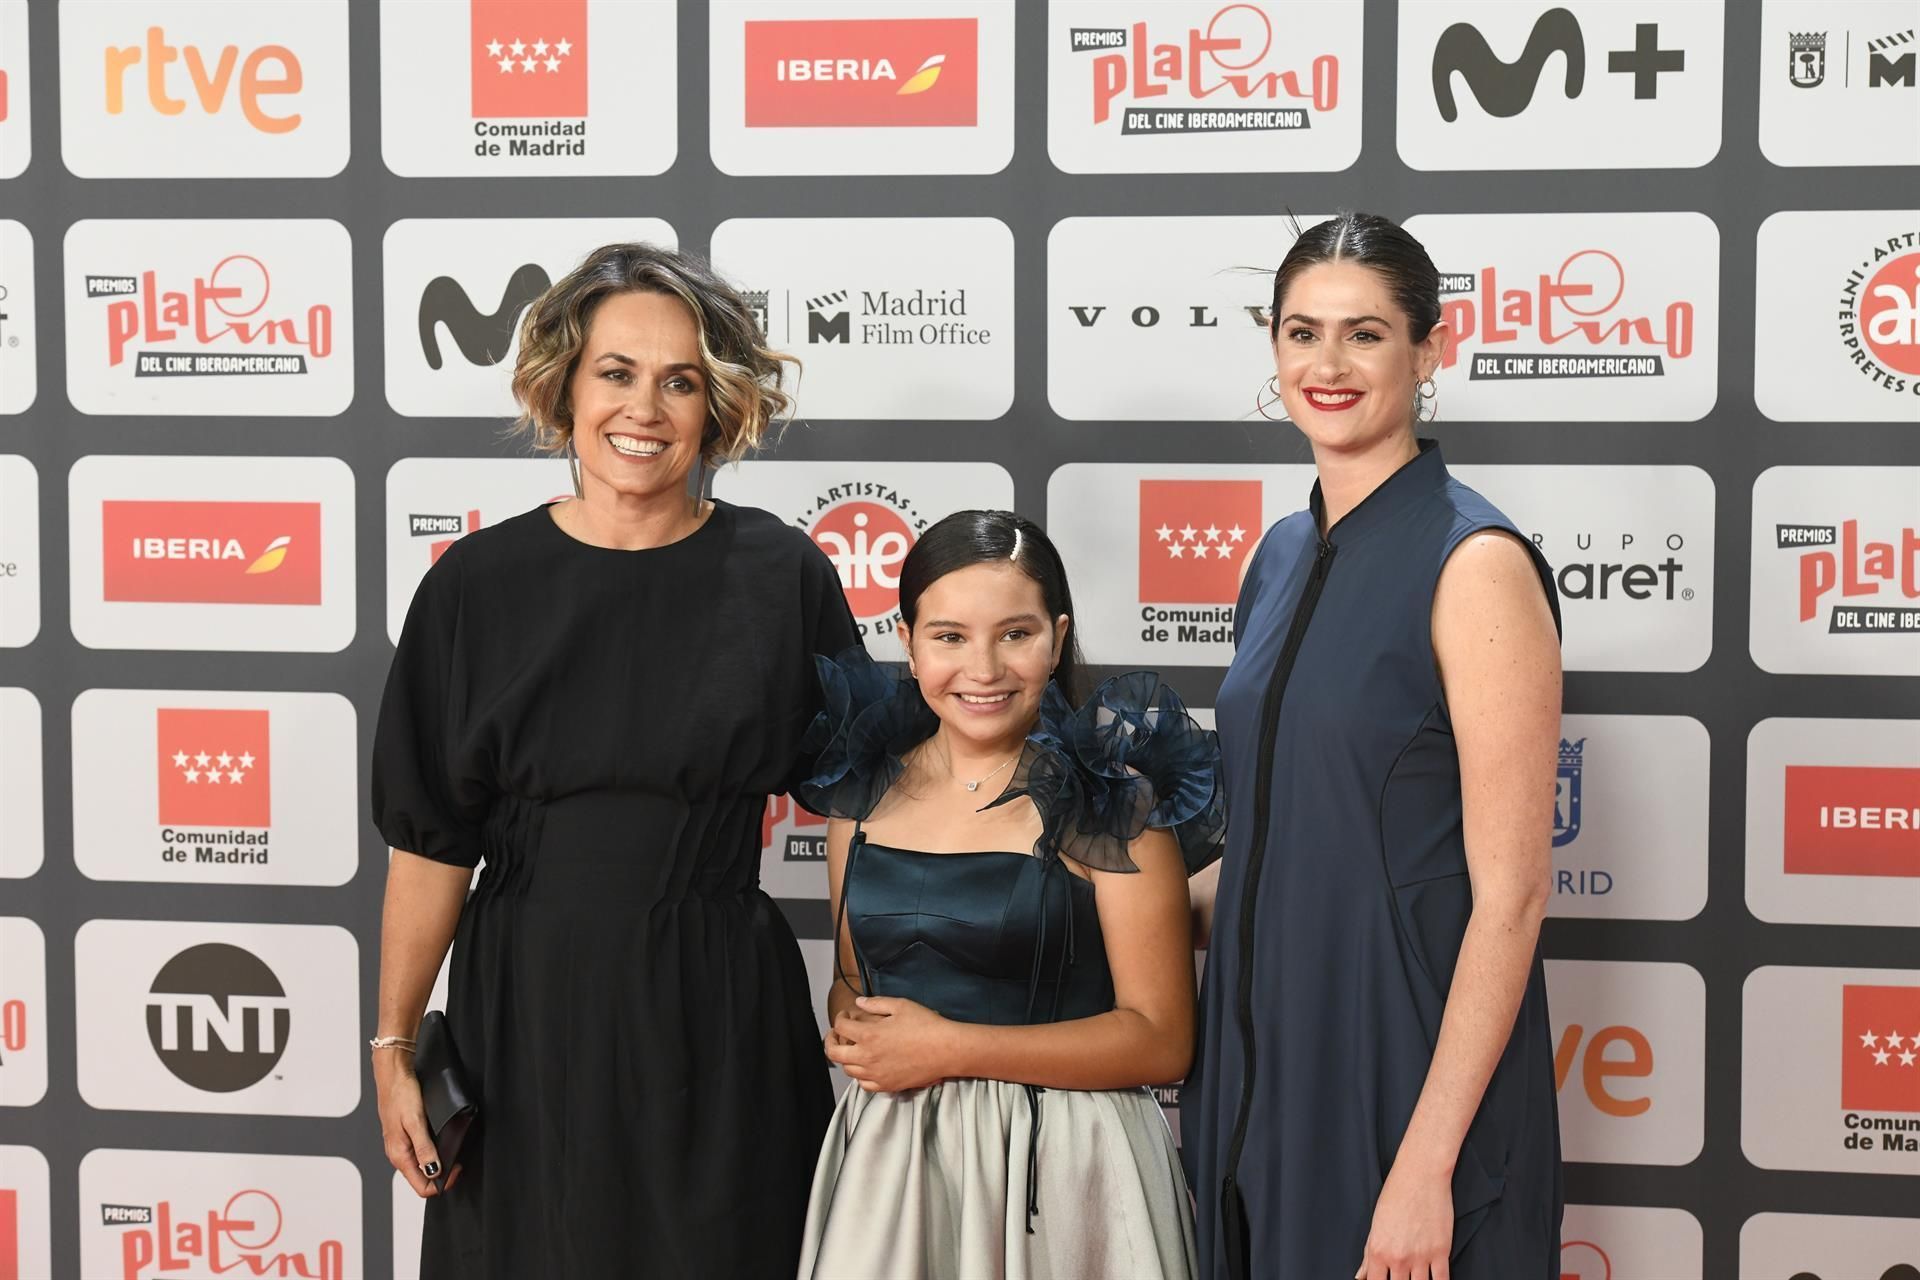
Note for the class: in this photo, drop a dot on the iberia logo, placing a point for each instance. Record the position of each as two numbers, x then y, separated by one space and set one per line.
1845 820
1880 316
1230 76
1878 580
1880 1048
1572 316
218 324
863 72
245 1235
211 552
529 58
213 767
1194 536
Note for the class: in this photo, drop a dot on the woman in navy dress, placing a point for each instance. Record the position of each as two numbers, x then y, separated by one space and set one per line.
1012 970
1374 1091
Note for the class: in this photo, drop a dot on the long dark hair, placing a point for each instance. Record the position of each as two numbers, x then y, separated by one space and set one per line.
1367 240
986 537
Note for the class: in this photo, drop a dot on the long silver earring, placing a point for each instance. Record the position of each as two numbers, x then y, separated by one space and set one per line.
1266 397
1426 400
573 466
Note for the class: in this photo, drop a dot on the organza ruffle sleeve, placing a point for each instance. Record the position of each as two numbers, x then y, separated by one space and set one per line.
1128 759
873 715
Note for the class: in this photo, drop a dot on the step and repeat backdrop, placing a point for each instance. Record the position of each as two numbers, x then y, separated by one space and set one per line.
260 268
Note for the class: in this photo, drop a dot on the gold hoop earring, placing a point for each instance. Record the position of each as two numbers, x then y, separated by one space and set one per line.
1426 400
1262 401
573 467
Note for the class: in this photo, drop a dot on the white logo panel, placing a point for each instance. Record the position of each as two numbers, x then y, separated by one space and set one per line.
1833 822
1830 1069
1630 1057
434 502
1153 86
1838 83
1583 84
209 515
22 825
19 354
215 317
455 291
891 317
1836 571
213 1213
23 1018
834 86
203 89
26 1213
1632 554
19 552
1156 552
504 88
1576 317
234 1019
1840 292
866 516
1630 818
16 94
1131 301
1614 1242
1808 1246
215 787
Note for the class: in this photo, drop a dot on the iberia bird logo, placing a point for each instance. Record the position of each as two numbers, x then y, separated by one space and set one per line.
923 79
273 557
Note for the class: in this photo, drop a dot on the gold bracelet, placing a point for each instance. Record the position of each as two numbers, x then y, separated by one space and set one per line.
391 1042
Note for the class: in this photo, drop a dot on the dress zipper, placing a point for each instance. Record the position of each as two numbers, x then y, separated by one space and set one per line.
1256 861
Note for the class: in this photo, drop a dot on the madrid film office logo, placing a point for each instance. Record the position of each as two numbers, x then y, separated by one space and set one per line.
887 317
483 337
1890 60
1505 89
1227 76
218 1018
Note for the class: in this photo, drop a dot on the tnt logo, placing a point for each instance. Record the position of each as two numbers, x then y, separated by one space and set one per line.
218 1017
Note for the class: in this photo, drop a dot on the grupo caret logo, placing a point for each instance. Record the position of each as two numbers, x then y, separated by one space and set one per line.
1150 86
1586 84
1576 316
218 1017
871 72
211 552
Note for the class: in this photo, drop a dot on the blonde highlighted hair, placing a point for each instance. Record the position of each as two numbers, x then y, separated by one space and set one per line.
745 400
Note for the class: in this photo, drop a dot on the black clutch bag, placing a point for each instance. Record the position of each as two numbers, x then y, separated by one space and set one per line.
450 1105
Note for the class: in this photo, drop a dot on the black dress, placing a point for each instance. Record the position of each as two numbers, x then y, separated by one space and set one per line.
603 728
1343 900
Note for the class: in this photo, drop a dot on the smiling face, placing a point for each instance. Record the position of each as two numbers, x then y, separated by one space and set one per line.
983 649
639 398
1345 361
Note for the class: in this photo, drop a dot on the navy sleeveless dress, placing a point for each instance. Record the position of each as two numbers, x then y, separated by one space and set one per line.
967 1178
1342 903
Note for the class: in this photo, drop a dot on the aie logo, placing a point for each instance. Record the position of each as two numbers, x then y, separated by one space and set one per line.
218 1018
482 338
1505 89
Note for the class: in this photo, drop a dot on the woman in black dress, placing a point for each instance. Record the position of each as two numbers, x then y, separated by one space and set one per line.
1374 1094
595 699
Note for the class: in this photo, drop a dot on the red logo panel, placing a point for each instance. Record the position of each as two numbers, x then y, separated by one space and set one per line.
214 768
211 552
863 72
867 541
1880 1048
1194 535
529 58
1852 821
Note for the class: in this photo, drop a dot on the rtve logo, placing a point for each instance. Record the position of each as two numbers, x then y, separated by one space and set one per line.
175 78
1600 1064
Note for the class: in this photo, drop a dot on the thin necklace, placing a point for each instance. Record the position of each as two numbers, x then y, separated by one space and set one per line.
975 784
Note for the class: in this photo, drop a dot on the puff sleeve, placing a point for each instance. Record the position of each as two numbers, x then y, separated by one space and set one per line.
420 803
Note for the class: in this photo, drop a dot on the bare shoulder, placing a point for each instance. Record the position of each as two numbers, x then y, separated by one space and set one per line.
1489 609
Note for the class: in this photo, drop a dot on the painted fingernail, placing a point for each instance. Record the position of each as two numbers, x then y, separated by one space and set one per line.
431 1168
